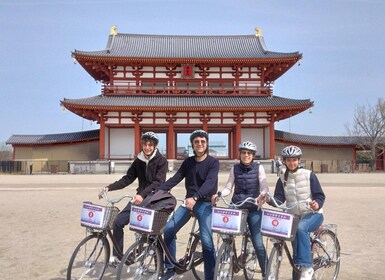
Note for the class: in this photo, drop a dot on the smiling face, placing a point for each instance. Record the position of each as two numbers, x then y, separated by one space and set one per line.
199 145
291 163
246 156
148 147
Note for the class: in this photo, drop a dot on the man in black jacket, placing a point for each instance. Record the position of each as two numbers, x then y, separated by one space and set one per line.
150 167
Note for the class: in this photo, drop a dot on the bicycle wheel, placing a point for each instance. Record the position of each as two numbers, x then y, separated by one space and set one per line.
249 260
143 260
274 263
224 263
326 255
90 258
198 265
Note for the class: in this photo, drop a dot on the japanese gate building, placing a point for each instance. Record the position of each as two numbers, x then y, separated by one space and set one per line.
173 85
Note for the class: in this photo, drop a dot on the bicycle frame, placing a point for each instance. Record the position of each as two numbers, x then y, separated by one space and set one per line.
185 263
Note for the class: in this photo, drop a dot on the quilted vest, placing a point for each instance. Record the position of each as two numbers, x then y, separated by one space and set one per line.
297 189
246 181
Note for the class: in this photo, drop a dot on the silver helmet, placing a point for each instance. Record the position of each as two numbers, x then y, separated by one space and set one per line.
199 133
291 152
247 145
150 136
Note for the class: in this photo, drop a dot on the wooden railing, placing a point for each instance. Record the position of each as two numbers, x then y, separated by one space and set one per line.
128 90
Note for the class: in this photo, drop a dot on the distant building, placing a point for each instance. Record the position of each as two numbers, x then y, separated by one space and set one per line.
175 84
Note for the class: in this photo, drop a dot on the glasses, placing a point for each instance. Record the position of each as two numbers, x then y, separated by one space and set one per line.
197 142
244 153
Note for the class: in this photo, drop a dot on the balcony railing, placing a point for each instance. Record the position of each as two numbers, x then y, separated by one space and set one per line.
127 90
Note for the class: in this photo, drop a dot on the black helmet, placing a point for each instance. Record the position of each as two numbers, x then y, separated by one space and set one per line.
150 136
291 152
199 133
247 145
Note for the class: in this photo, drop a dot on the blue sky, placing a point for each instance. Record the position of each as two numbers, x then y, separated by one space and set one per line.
342 42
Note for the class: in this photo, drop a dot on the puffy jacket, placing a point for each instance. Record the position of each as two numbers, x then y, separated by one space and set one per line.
246 183
150 174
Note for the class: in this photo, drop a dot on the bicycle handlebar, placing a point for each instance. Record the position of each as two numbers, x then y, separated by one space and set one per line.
103 194
284 207
240 203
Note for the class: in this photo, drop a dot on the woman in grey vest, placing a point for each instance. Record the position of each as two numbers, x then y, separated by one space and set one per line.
298 184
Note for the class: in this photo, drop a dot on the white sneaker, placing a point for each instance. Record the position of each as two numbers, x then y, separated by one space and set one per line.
114 261
307 273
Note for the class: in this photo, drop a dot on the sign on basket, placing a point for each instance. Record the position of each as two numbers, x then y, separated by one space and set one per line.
229 221
92 215
141 218
279 224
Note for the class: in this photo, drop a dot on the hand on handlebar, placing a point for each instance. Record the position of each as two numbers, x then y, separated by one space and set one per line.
215 198
137 199
314 205
103 193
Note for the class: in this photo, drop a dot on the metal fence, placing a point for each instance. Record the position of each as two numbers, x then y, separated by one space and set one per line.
108 167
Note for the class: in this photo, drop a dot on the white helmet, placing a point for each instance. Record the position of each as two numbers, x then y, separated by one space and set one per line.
291 152
247 145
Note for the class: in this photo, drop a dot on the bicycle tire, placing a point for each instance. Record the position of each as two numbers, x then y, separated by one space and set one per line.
274 263
326 255
143 260
249 260
89 259
198 264
224 264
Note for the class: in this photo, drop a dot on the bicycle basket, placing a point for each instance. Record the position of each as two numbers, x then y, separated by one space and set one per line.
228 221
98 216
279 224
147 221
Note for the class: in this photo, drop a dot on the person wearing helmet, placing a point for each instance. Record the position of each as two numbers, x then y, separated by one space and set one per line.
150 168
200 173
248 179
294 185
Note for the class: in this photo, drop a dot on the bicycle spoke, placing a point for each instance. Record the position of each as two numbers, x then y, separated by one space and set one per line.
326 256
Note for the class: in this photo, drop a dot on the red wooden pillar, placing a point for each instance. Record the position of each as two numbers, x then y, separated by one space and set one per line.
272 137
171 138
137 137
237 135
102 139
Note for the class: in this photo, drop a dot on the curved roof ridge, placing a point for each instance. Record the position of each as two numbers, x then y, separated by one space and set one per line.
94 135
40 139
314 139
187 47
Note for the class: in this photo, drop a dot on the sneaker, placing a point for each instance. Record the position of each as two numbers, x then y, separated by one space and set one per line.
169 274
307 273
114 261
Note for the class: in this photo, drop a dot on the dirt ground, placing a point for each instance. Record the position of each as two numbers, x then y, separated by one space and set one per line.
40 221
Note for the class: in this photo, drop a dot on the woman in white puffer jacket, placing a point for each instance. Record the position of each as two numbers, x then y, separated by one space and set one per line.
297 184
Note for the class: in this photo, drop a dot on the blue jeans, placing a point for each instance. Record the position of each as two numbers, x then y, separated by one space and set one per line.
254 222
203 212
121 221
301 244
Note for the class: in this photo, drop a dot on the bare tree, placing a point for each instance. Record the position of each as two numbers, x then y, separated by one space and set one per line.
369 128
5 151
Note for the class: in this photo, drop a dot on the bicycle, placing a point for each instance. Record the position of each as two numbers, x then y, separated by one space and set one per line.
91 257
145 258
228 223
325 246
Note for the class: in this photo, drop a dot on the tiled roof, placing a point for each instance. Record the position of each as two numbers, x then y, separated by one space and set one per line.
54 138
315 139
211 102
171 46
94 135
